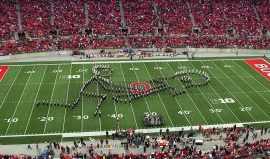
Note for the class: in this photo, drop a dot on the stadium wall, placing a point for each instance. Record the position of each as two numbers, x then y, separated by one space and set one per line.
196 52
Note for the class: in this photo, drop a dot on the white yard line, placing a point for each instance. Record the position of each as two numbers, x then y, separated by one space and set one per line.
191 99
82 104
130 102
19 100
116 114
174 97
100 123
64 122
35 100
241 90
51 99
160 98
100 126
10 87
230 94
143 97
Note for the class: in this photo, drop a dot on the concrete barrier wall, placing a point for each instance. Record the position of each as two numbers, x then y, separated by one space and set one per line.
198 52
4 58
41 54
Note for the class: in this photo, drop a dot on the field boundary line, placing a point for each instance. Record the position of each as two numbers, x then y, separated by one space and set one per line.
159 96
241 89
131 105
127 61
35 100
150 130
51 99
19 99
10 88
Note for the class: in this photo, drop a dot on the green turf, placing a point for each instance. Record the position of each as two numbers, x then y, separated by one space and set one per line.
23 85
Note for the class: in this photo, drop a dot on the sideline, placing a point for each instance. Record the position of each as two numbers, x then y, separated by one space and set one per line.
152 130
128 61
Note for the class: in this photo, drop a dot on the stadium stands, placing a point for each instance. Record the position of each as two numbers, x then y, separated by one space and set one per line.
168 145
8 20
35 17
174 16
85 24
208 17
140 17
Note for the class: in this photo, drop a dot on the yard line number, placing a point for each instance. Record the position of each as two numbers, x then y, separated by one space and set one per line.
184 112
134 69
79 117
30 72
228 66
82 70
11 120
215 110
223 101
245 109
44 119
207 67
182 67
148 114
117 116
70 76
57 71
158 68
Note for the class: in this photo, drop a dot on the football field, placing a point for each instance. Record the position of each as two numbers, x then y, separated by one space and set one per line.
236 93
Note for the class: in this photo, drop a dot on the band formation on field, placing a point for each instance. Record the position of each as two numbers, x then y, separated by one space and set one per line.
122 93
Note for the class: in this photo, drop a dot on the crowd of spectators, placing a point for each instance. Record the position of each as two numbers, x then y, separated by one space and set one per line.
208 17
35 17
104 17
8 19
174 16
224 24
182 144
231 142
263 11
140 16
69 17
241 17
